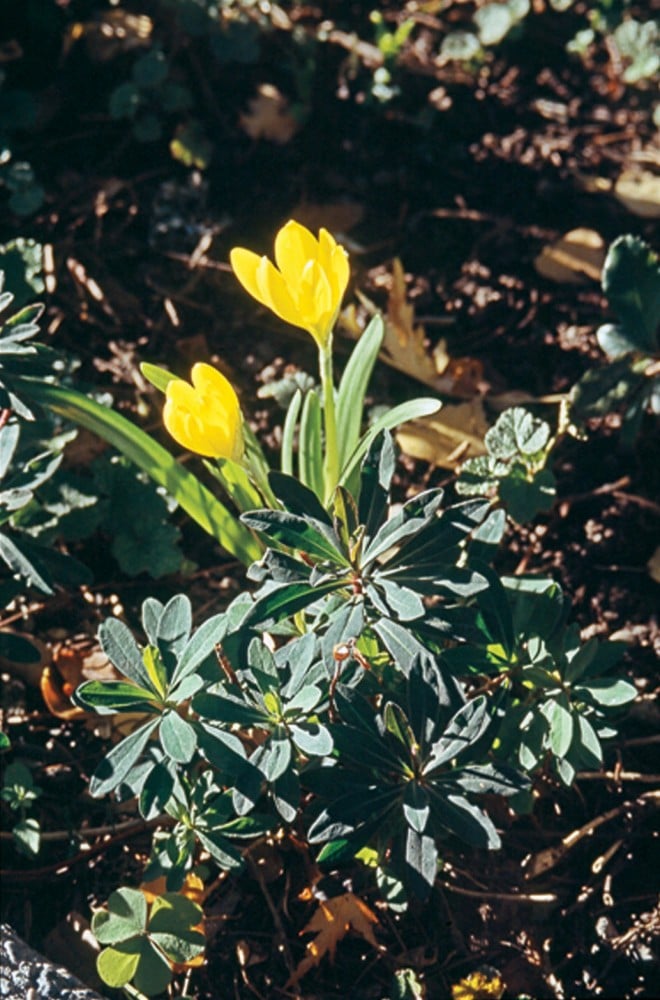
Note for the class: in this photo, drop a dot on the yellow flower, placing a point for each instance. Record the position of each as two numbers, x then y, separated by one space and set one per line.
205 417
308 284
481 985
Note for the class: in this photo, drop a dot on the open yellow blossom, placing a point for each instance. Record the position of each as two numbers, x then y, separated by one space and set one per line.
205 417
308 284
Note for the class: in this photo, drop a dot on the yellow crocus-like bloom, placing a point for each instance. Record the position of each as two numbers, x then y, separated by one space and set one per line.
205 417
308 284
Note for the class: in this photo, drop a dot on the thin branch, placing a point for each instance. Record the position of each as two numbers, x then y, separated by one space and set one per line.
518 897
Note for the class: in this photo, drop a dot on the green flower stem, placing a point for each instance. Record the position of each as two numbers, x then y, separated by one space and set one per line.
331 461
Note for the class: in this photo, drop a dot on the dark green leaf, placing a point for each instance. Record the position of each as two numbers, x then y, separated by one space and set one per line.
561 724
297 498
493 779
220 849
124 918
228 708
416 807
285 600
465 820
156 791
413 516
122 650
611 693
153 974
27 836
304 533
310 457
286 795
117 965
114 768
116 696
177 737
375 479
353 387
467 726
276 757
421 862
631 281
311 738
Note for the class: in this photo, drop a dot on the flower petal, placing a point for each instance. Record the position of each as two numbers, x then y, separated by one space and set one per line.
205 417
273 291
245 265
294 247
315 295
334 260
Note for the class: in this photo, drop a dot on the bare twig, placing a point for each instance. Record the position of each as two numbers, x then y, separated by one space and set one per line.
518 897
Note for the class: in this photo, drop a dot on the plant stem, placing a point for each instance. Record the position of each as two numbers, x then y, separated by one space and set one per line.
331 461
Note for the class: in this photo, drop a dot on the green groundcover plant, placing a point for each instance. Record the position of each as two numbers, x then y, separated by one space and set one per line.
376 684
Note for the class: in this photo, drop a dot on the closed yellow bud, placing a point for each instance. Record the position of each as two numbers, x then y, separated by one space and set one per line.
205 417
308 284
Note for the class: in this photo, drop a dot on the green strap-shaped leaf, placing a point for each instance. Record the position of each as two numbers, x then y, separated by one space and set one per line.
288 432
153 459
401 414
353 387
310 455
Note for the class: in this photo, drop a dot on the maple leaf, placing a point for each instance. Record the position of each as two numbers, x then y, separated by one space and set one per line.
332 921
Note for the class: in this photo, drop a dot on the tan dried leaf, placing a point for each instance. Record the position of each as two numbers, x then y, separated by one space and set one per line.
405 346
639 191
576 258
74 661
653 565
269 117
447 438
332 921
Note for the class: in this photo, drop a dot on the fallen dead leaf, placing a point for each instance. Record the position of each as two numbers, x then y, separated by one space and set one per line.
331 923
73 661
653 565
405 344
576 258
639 191
447 438
269 117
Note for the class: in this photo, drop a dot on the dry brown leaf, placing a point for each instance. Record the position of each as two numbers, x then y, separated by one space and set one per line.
576 258
74 661
639 191
447 438
332 921
653 565
269 117
405 348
